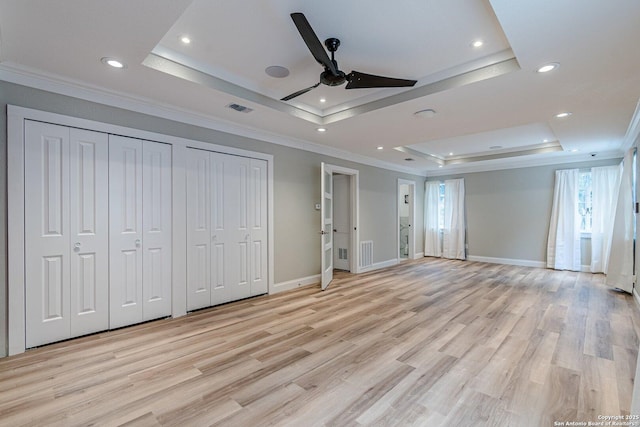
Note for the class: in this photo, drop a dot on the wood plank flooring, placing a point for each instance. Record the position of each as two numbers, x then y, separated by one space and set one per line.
429 342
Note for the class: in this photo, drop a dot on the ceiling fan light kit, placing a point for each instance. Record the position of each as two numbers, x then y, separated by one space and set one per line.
332 76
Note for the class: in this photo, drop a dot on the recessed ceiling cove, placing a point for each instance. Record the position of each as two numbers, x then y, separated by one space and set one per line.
232 46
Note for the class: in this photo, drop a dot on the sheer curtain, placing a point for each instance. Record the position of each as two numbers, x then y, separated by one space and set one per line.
432 242
454 223
605 183
621 258
563 244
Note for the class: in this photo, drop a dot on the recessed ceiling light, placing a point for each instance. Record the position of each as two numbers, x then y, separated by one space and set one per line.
425 114
563 115
323 100
575 150
321 130
112 62
548 67
185 40
440 166
477 43
277 71
380 147
545 140
451 154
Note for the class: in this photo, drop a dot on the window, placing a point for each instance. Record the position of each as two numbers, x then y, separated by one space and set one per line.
585 200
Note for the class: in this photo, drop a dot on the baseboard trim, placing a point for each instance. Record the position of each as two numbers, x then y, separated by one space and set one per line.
295 283
508 261
418 255
636 297
379 265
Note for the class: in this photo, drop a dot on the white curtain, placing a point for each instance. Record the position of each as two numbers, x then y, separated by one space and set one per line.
563 244
432 241
605 183
453 235
620 273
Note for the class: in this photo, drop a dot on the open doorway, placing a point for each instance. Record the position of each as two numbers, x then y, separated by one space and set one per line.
406 217
342 222
339 212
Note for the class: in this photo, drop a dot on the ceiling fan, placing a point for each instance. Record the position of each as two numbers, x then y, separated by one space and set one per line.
332 76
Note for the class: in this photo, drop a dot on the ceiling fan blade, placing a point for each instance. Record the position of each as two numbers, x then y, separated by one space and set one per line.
359 80
300 92
313 43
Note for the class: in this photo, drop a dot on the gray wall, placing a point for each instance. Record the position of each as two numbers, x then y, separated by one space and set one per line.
296 186
508 211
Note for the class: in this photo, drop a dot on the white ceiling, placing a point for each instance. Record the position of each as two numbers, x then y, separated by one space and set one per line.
492 109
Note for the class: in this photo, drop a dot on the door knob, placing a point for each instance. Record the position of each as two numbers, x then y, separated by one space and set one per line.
76 247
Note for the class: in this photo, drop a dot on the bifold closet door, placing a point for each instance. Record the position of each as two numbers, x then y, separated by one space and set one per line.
258 226
66 232
226 228
140 230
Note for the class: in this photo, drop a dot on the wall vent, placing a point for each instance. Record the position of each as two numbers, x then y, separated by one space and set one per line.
240 108
366 253
342 253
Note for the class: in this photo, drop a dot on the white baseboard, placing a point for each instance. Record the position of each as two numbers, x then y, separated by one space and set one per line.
636 297
379 265
508 261
418 255
295 283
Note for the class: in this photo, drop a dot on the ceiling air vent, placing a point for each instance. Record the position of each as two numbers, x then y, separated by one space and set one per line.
240 108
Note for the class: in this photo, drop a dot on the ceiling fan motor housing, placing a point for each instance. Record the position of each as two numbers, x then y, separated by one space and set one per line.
329 79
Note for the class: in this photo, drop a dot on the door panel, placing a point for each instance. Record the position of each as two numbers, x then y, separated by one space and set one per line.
156 223
89 204
199 237
326 230
258 226
125 225
47 235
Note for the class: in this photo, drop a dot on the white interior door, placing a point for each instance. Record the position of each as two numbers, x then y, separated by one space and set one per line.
156 225
89 222
227 238
200 238
66 233
125 230
226 228
47 236
326 226
258 225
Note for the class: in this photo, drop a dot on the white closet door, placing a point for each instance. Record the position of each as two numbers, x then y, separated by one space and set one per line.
199 236
224 260
227 228
156 223
89 204
47 234
258 226
231 260
125 229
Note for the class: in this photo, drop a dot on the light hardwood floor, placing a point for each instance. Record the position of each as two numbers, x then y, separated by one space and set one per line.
429 342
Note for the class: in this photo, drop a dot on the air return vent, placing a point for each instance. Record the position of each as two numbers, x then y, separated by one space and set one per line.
240 108
366 253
